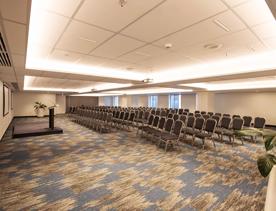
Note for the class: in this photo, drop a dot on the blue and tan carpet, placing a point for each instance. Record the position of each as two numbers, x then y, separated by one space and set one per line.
84 170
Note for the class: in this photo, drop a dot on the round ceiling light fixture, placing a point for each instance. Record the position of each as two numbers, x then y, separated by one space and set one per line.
212 46
148 80
168 45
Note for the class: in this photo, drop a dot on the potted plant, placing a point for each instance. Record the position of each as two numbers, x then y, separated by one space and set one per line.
39 109
267 160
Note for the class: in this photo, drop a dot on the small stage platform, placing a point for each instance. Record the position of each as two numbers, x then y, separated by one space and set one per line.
34 129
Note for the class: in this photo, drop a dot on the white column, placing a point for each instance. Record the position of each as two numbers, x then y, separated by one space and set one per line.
205 101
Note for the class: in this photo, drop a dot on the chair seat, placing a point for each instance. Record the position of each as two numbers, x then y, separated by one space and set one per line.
228 132
189 130
219 130
140 120
203 135
168 136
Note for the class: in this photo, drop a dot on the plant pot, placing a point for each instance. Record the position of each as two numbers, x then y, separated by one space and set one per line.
40 113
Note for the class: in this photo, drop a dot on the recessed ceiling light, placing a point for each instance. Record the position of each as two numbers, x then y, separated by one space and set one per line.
168 45
88 40
212 46
221 25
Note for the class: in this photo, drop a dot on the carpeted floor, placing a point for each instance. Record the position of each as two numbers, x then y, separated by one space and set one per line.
84 170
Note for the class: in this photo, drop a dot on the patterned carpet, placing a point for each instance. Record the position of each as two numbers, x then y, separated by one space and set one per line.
84 170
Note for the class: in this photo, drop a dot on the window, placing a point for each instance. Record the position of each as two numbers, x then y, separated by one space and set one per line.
174 101
107 101
115 101
153 101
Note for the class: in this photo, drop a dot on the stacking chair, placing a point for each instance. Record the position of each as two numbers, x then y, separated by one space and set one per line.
183 118
197 112
170 115
197 115
217 118
203 112
106 125
207 132
189 126
247 121
118 120
210 113
218 114
145 125
186 110
198 126
175 117
224 125
154 125
259 122
123 121
173 137
206 116
163 113
237 124
156 132
139 118
236 116
228 115
190 114
130 121
157 112
180 111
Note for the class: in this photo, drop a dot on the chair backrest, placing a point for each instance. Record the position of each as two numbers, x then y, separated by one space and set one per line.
197 115
237 124
109 117
206 116
190 114
170 115
210 125
105 116
247 121
199 123
190 121
157 112
168 125
163 113
203 112
218 114
146 115
216 117
161 123
180 111
122 115
132 116
177 127
197 112
150 121
136 112
152 111
175 117
210 113
117 114
228 115
126 116
225 122
259 122
183 118
140 115
236 116
155 121
186 110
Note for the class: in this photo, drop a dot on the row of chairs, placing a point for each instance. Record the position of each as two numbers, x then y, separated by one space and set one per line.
96 120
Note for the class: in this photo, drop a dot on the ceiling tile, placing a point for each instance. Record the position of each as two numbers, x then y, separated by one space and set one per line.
271 42
16 36
203 31
172 16
266 30
117 46
254 12
18 60
82 38
233 3
143 53
46 30
63 7
110 15
92 60
15 10
65 56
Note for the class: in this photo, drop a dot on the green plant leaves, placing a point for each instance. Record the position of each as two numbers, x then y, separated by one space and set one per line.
270 142
265 164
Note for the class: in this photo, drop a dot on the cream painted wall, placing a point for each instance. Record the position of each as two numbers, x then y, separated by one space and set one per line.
254 104
188 101
24 102
61 101
163 101
4 120
205 101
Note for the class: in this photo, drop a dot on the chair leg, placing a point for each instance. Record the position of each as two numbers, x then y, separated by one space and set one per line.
166 146
233 137
193 140
203 143
213 141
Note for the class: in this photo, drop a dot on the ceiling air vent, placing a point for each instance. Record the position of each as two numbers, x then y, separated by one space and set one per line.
4 56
